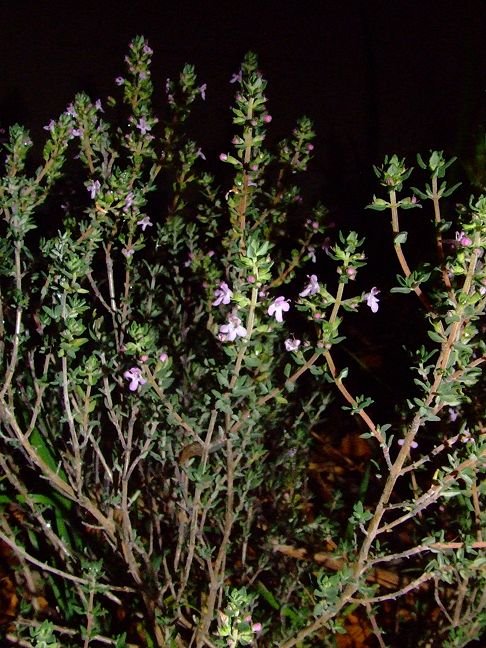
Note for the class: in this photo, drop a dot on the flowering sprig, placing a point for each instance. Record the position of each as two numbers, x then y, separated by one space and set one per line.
182 94
297 152
393 173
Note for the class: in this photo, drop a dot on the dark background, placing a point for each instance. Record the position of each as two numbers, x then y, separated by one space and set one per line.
375 76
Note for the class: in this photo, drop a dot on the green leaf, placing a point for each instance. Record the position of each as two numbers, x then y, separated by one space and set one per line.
447 192
400 238
267 595
435 337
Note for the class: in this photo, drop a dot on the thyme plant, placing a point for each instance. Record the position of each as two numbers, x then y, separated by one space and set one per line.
167 347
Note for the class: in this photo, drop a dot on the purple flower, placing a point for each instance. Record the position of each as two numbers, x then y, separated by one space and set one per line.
372 300
98 105
277 307
202 91
144 223
134 375
70 110
128 201
163 357
119 81
232 330
143 126
413 445
237 78
76 132
93 187
291 344
462 239
200 154
311 250
223 294
50 126
128 252
223 157
453 414
147 50
312 287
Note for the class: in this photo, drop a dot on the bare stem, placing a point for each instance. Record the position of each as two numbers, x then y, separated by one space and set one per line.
401 257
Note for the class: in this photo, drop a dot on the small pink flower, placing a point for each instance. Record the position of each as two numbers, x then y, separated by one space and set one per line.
462 239
223 157
312 287
93 187
134 375
202 91
223 294
453 414
267 119
128 201
119 81
163 357
372 300
291 344
256 627
311 251
310 147
127 253
143 126
50 126
413 445
144 223
277 307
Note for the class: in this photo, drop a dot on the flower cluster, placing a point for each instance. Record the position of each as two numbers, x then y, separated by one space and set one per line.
233 329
